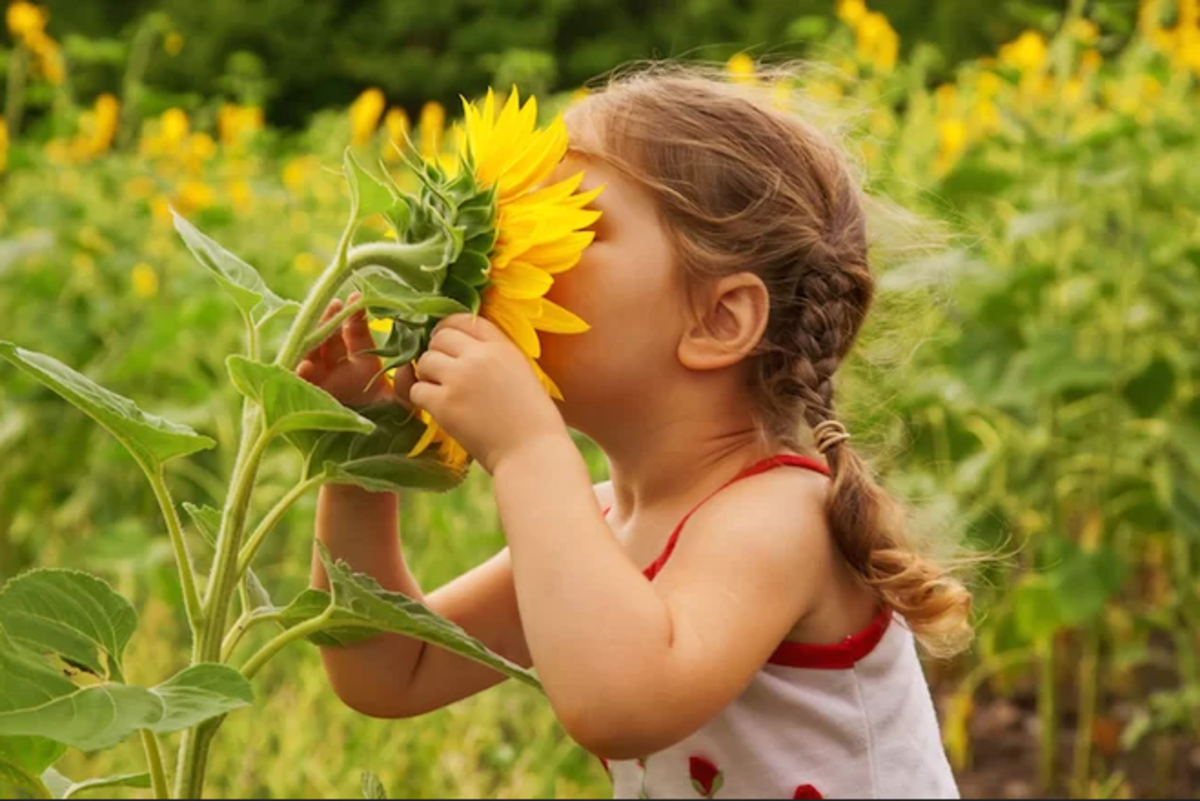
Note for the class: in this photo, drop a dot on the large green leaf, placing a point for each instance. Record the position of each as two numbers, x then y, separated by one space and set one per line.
239 280
379 461
393 473
198 693
141 780
151 439
208 522
361 604
18 783
38 700
72 615
289 402
386 295
33 754
1151 388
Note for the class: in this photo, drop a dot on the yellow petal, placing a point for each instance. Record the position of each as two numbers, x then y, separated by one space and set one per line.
555 319
551 388
507 314
431 432
521 280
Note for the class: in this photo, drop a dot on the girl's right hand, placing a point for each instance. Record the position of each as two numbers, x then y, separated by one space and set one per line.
340 366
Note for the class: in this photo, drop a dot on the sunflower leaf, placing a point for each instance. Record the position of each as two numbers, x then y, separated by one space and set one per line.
367 195
151 439
239 280
391 473
463 293
198 693
33 754
139 780
290 404
472 268
74 616
208 522
17 782
360 604
383 291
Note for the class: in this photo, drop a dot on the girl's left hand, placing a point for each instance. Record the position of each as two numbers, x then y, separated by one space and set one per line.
480 388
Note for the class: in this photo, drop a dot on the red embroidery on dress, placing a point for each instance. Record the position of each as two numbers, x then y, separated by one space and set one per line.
706 779
807 791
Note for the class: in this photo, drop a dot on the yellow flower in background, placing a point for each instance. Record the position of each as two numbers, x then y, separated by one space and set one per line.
241 195
364 115
542 231
952 143
395 122
740 68
306 264
25 20
1091 61
174 126
579 94
173 43
946 97
298 172
851 12
1084 31
144 280
194 196
1027 52
877 42
236 124
432 125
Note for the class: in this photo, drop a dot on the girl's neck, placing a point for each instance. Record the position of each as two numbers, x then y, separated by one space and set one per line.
656 458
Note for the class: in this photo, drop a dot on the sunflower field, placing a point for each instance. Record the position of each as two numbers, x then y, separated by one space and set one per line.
1031 386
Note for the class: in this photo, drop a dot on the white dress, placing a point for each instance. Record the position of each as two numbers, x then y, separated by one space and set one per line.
850 720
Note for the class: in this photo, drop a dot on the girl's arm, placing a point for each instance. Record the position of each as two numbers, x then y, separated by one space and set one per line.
632 667
394 676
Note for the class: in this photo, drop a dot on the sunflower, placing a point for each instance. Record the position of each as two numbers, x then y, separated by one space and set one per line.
537 231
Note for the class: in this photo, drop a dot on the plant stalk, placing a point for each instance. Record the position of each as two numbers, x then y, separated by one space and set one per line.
154 763
14 97
194 746
271 520
183 559
256 662
322 332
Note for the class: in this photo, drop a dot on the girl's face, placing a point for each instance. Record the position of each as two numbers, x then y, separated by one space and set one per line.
629 290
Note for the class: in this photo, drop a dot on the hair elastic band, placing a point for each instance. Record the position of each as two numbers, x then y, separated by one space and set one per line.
828 433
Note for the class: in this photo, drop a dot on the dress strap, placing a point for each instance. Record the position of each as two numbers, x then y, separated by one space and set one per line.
761 466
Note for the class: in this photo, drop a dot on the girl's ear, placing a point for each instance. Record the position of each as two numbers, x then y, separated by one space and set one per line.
729 325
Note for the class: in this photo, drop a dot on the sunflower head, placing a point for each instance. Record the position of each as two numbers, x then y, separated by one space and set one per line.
486 236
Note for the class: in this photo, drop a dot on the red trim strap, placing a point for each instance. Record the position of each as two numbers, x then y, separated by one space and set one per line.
840 656
762 466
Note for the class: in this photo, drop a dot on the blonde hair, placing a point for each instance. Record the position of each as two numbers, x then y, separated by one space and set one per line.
744 185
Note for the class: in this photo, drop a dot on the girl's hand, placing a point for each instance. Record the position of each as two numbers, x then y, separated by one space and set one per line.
340 367
480 388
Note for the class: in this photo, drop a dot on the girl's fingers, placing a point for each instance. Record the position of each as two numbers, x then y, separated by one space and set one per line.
309 371
434 366
333 349
356 334
427 396
451 341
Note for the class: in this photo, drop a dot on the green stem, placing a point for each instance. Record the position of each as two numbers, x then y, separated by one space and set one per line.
272 519
154 762
264 655
322 332
193 759
183 559
318 298
243 625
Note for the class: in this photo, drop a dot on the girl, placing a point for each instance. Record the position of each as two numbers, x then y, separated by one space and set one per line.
732 613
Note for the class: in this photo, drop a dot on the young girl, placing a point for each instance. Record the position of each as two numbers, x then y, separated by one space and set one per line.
732 614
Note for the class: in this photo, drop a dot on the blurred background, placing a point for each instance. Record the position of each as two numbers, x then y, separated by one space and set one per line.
1033 387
